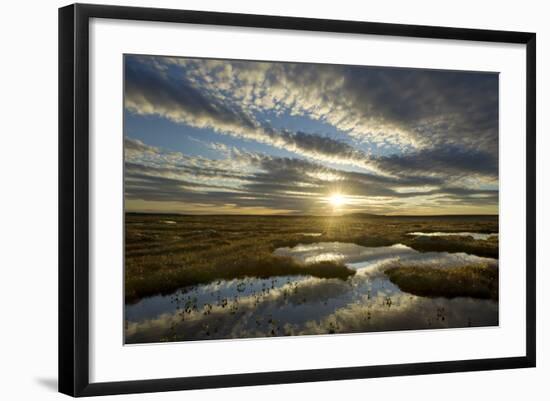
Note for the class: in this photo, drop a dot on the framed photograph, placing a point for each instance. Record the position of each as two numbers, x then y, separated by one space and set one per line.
249 199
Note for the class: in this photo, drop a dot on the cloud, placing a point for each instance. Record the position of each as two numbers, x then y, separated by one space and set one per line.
399 138
248 180
150 90
448 161
411 108
449 119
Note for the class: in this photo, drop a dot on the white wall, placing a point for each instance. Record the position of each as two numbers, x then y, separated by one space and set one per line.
28 168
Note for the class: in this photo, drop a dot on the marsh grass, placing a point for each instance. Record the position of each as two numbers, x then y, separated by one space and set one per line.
161 257
455 243
167 279
476 281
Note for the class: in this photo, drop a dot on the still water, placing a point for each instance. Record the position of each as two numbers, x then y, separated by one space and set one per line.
476 236
295 305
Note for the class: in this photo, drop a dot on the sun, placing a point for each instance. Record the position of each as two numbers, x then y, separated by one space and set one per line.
336 200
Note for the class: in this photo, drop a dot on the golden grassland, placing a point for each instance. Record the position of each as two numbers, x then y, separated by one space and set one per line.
476 281
166 252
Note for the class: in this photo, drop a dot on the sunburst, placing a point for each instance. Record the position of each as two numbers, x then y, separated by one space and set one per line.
337 200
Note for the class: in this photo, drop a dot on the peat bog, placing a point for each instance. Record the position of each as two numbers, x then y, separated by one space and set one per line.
212 277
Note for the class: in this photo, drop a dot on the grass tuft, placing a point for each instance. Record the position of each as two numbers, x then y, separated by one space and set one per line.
476 281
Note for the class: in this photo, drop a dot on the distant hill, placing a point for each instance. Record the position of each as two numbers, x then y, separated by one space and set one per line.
364 215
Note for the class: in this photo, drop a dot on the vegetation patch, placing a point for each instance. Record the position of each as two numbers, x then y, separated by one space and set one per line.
455 243
476 281
155 279
161 257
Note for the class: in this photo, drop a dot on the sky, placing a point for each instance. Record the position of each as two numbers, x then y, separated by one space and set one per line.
210 136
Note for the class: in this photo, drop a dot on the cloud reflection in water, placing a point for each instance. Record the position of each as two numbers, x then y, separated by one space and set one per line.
297 305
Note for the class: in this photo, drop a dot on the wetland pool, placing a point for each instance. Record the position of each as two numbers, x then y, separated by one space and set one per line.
305 305
476 236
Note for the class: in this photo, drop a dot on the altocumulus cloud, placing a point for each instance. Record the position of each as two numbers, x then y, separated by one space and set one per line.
400 138
151 89
404 106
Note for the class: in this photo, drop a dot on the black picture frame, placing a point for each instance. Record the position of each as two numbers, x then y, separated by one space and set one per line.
74 201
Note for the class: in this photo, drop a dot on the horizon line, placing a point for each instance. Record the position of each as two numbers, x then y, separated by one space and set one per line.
308 215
